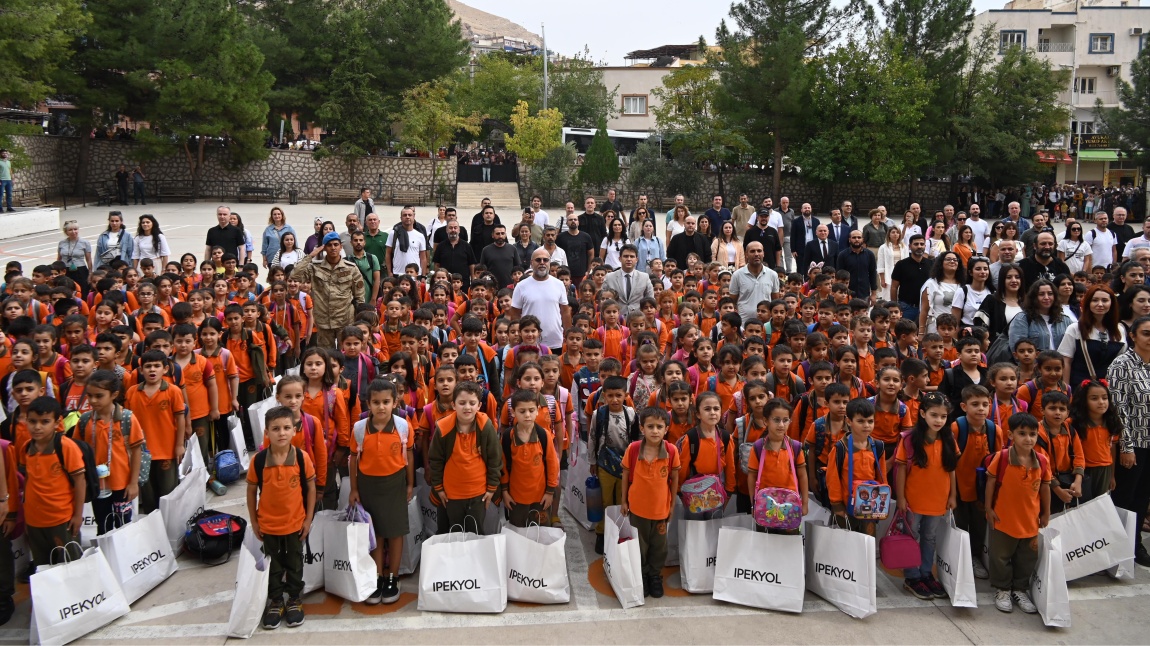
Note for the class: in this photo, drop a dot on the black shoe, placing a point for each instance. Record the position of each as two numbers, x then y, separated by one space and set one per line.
646 586
657 586
376 598
598 543
273 614
390 589
1142 557
294 613
7 607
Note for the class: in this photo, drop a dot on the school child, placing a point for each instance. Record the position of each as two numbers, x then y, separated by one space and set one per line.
1050 376
572 357
291 392
287 325
861 335
812 404
24 356
414 395
439 407
846 372
883 337
681 408
926 487
530 477
327 405
586 381
781 381
947 327
932 352
1025 355
613 336
1063 450
25 386
644 382
818 350
978 436
48 358
54 485
529 377
968 371
700 371
613 428
250 356
117 448
915 377
906 339
466 369
199 380
650 483
284 478
728 331
1003 378
747 429
727 382
382 479
891 416
869 464
707 448
160 409
822 435
1098 427
1015 510
226 373
465 461
359 368
72 392
473 344
782 460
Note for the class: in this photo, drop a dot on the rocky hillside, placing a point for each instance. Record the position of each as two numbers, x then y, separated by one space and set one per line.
481 23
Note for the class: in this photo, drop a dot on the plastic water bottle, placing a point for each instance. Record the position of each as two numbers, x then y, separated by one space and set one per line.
217 487
594 500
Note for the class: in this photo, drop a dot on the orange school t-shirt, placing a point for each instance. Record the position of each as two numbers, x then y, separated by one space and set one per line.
534 469
280 509
384 452
318 450
157 413
224 369
977 448
713 458
888 424
48 488
96 435
1017 503
864 469
1058 449
199 375
777 470
1098 447
649 483
927 489
336 421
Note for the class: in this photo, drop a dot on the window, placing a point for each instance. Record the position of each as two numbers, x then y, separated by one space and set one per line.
1101 43
634 105
1085 85
686 104
1011 38
1082 127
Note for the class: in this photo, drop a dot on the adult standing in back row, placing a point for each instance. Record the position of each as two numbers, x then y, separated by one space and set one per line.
578 247
226 235
688 242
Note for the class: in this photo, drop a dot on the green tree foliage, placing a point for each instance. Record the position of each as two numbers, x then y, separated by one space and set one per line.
1130 122
534 136
601 163
497 82
648 168
428 120
36 38
1006 104
555 169
295 38
868 105
577 90
355 111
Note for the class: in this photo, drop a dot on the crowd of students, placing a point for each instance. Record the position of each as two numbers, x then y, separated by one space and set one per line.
436 383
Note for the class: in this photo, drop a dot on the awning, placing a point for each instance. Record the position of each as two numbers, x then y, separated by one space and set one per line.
1053 156
1098 155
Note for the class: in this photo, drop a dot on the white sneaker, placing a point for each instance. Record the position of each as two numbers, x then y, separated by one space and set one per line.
1002 601
980 570
1023 601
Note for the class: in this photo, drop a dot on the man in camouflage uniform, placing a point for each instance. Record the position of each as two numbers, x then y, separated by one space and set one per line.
336 287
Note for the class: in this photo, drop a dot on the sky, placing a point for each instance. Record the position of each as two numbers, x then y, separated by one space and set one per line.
611 28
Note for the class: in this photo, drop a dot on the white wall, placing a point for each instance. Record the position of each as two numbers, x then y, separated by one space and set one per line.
639 81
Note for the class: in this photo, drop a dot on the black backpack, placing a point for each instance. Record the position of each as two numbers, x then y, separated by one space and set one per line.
213 535
91 479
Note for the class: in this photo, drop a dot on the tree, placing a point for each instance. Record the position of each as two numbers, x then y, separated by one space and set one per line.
355 113
577 90
763 70
601 163
428 121
534 136
554 170
498 82
689 119
867 111
294 36
36 38
1130 122
648 168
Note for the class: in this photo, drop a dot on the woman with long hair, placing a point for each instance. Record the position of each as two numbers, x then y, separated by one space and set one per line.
678 223
273 233
611 246
726 248
238 223
964 247
946 279
1074 250
524 244
289 254
1089 347
892 251
968 301
1009 236
1000 308
1130 274
1042 319
150 242
1133 304
704 228
114 242
1064 290
908 227
650 247
1129 379
937 242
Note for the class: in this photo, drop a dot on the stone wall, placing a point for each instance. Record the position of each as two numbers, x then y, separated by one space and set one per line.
55 160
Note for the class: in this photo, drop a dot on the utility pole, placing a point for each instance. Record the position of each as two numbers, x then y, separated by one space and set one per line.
543 29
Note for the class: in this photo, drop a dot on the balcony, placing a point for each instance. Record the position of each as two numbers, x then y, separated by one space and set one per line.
1054 48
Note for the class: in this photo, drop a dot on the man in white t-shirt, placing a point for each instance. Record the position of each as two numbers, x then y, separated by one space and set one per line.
406 245
1102 241
541 217
979 227
543 296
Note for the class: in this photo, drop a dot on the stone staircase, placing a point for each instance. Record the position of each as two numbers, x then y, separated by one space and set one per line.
504 196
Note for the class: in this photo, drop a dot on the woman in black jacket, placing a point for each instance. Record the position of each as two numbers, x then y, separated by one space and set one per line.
1000 308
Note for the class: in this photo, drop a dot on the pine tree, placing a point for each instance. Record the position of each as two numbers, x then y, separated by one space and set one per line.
601 163
1130 122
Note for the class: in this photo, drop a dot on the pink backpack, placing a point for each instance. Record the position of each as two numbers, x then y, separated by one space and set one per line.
777 507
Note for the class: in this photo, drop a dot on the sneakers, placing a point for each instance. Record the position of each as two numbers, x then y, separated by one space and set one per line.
936 589
7 607
390 589
1023 600
598 543
918 588
980 571
1002 601
294 613
376 598
657 586
273 614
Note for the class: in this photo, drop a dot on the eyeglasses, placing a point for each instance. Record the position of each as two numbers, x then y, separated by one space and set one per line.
540 260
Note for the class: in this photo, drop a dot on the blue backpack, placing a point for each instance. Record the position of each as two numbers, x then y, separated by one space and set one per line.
227 467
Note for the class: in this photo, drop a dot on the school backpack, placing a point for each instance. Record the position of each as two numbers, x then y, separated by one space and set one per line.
18 529
258 355
507 461
401 427
213 535
91 479
125 418
262 460
1004 460
693 440
607 458
671 450
877 447
901 406
795 386
991 437
227 466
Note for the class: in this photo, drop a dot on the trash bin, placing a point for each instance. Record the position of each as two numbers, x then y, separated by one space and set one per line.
293 196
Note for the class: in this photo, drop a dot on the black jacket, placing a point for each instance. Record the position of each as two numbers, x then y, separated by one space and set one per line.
683 245
814 254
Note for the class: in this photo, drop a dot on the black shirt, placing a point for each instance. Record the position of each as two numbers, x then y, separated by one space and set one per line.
500 261
579 250
594 225
1032 271
911 276
441 235
229 237
122 177
457 259
482 234
769 238
683 245
1124 233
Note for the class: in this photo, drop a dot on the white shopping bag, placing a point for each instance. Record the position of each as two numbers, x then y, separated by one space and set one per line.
251 589
428 512
139 555
1124 571
698 546
313 550
537 564
760 570
238 445
21 554
494 518
413 541
348 569
185 501
622 562
953 565
256 414
673 539
89 529
1048 584
840 568
1093 537
193 459
74 598
463 572
575 495
817 514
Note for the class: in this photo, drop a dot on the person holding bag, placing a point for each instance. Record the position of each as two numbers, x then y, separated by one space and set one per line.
614 427
776 464
1089 346
927 487
649 485
117 440
1063 449
710 457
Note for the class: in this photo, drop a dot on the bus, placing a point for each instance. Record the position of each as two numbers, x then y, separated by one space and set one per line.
624 141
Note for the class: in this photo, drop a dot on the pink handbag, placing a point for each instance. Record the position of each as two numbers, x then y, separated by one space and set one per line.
775 507
898 548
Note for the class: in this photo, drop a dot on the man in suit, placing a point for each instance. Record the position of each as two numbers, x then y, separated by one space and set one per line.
821 250
802 231
631 285
839 230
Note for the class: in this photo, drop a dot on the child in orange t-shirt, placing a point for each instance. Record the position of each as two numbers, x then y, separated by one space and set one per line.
1063 450
926 486
612 335
1097 425
780 458
282 515
530 476
160 409
327 404
123 469
1017 505
650 484
707 449
465 461
199 377
309 435
54 485
868 459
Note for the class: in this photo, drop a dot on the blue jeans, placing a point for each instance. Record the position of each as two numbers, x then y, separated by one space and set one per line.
925 529
6 192
909 312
